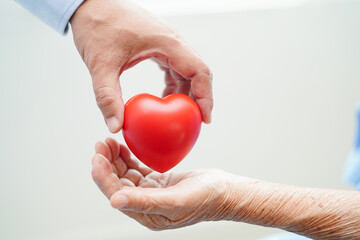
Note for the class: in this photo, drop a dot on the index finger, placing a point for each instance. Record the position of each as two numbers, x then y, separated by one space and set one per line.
104 177
187 63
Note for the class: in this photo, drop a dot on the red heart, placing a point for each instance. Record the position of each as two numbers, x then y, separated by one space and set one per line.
161 131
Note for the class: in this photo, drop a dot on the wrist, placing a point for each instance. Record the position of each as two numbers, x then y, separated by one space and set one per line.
79 11
235 197
261 203
90 8
242 195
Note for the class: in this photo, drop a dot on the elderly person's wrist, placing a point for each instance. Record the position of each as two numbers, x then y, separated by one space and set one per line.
259 202
232 204
242 198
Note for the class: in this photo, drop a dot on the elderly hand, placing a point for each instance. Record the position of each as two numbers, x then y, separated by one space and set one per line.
158 201
177 199
114 35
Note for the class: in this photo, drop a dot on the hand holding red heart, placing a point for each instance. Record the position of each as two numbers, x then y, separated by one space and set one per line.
112 38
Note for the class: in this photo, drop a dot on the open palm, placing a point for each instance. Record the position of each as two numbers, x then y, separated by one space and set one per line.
158 201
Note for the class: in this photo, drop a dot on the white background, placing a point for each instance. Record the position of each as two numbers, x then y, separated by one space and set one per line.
286 83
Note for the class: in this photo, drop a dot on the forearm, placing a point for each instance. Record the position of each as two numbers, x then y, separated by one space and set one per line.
316 213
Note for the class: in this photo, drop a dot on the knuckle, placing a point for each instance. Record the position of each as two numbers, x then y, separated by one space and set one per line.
177 38
173 33
171 37
207 72
105 96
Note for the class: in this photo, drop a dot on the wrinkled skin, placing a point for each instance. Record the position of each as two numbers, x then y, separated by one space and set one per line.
158 201
114 35
177 199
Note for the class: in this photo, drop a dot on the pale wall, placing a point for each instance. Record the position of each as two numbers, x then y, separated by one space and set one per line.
286 83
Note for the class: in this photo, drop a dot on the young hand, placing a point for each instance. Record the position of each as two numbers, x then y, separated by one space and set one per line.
114 35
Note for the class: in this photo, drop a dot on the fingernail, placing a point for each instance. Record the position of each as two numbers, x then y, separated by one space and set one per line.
113 124
122 202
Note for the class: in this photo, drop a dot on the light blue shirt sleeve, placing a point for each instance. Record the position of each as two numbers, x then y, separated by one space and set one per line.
55 13
352 167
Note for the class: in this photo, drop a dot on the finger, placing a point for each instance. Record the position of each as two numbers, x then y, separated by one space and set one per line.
116 161
109 99
113 147
146 200
127 182
103 149
188 64
170 84
134 176
162 62
201 86
132 163
104 177
120 166
183 85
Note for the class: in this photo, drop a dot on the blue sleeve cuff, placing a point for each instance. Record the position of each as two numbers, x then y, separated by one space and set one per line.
352 169
55 13
352 166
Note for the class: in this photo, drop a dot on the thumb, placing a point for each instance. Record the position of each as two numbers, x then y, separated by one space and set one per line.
109 99
145 200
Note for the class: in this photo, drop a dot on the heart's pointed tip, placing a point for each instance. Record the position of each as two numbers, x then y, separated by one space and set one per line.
161 170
